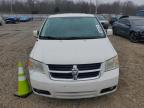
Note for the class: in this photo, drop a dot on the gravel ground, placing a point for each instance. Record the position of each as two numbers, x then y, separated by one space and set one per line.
16 42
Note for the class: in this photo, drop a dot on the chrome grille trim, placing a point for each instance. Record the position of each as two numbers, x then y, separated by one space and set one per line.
68 67
71 71
60 74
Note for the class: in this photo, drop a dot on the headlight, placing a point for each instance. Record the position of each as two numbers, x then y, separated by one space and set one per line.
111 64
36 66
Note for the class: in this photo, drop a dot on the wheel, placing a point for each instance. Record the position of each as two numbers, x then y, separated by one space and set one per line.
133 37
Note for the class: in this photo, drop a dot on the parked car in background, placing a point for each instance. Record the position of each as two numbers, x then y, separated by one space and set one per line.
103 21
106 16
24 18
140 13
11 19
115 18
1 21
73 58
130 27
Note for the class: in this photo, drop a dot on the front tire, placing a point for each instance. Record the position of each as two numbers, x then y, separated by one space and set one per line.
133 37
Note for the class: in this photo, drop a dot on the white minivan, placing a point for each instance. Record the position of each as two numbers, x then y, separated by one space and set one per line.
73 58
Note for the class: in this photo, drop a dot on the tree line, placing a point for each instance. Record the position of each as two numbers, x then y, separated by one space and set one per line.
66 6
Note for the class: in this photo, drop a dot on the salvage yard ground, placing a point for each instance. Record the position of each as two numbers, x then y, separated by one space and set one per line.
16 42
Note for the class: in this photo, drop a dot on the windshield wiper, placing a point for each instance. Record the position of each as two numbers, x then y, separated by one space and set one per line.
68 38
75 38
48 37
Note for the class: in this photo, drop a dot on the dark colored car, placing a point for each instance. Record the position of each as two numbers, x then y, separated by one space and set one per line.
115 18
130 27
11 19
1 21
140 13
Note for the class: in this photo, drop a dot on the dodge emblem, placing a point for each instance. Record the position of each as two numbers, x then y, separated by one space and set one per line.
75 72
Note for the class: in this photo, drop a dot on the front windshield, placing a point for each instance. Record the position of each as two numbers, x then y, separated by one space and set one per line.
138 22
72 28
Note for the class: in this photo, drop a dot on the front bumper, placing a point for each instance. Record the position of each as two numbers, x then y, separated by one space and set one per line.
107 83
10 21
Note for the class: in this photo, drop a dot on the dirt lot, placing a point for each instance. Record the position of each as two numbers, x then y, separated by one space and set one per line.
16 42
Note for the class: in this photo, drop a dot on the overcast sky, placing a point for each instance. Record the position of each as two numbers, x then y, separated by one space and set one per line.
139 2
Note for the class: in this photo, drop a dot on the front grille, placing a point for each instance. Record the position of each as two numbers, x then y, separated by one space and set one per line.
69 67
70 76
65 72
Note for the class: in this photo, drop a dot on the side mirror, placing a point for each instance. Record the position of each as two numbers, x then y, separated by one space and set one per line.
35 33
109 32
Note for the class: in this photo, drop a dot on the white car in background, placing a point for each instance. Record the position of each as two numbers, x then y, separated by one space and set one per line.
103 21
1 21
73 58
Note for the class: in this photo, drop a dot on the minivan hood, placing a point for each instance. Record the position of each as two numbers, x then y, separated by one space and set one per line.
73 51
